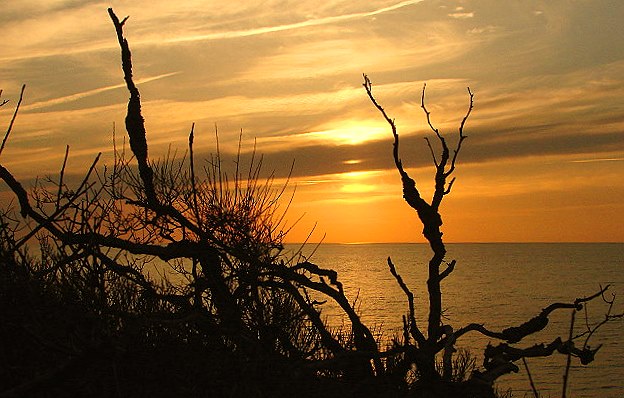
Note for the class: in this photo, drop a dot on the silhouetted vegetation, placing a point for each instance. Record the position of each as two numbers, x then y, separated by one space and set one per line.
169 279
422 350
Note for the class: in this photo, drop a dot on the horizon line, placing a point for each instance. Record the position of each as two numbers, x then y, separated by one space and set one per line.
458 242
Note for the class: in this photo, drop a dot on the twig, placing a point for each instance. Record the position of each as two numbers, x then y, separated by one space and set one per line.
526 366
8 132
462 137
433 156
428 114
368 85
415 331
566 373
4 101
62 173
193 181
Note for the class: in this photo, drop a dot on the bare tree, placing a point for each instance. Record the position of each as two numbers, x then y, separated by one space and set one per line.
429 215
422 349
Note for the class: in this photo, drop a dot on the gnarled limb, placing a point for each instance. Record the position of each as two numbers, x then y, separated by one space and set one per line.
363 338
135 124
429 215
515 334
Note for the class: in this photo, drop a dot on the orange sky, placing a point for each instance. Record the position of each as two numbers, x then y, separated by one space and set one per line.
543 162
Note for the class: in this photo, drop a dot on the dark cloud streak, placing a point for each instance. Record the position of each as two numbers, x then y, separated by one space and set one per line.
480 147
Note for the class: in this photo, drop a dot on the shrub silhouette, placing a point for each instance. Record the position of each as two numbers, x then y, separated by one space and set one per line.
238 317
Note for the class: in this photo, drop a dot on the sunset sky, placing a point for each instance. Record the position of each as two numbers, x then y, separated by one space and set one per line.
544 158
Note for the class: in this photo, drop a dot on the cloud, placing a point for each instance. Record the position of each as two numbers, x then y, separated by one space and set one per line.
321 160
598 160
547 85
291 26
70 25
84 94
60 29
346 58
461 15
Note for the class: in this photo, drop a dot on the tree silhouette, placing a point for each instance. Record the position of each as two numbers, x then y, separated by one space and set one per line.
441 337
164 279
113 239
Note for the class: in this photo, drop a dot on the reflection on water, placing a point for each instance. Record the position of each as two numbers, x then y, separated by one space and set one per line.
499 285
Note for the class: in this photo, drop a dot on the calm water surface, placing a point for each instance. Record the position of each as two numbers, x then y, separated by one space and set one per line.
499 285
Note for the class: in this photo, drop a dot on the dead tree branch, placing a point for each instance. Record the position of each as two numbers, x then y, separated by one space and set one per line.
413 329
10 127
135 124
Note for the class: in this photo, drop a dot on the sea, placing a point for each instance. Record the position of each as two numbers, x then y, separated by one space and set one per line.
498 285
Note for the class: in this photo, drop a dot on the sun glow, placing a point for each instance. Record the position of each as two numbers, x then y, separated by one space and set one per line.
358 181
349 133
357 188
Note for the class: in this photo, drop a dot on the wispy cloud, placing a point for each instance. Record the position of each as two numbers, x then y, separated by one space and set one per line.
292 26
598 160
88 93
461 15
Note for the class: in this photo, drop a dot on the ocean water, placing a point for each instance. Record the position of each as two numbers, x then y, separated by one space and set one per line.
499 285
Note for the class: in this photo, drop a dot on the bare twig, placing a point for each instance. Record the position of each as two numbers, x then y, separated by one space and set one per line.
566 373
8 131
462 137
4 101
449 268
61 174
193 179
526 367
433 155
413 328
428 115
